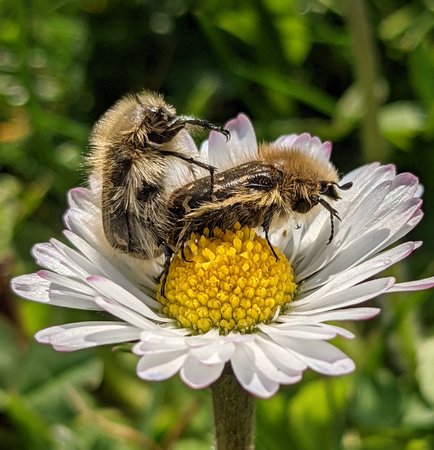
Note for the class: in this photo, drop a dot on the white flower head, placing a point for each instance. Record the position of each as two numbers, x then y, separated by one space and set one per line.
333 280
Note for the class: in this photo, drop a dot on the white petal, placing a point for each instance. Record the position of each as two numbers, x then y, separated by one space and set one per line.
297 235
341 273
79 263
362 172
281 357
417 285
302 142
326 149
405 185
81 198
109 270
90 230
361 247
303 331
251 380
31 287
338 331
363 200
311 145
354 231
67 283
351 296
405 228
312 329
181 172
87 225
121 312
160 366
321 357
198 375
77 336
94 183
211 336
35 288
287 140
243 145
65 299
337 314
370 175
348 276
48 257
219 154
160 339
395 219
266 367
84 222
111 290
203 151
398 217
187 143
214 352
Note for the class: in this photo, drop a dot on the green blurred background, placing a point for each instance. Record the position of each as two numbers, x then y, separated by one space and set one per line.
292 66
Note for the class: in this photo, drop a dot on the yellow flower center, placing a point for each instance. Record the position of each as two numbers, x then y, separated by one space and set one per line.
230 281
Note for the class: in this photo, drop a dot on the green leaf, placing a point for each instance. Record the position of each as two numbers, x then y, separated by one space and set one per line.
397 22
418 414
45 378
401 121
31 429
10 188
298 90
8 354
378 401
421 65
315 408
425 368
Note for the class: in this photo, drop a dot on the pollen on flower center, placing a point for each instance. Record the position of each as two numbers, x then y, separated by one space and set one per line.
230 281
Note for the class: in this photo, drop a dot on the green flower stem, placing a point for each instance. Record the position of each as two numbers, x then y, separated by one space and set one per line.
366 74
234 414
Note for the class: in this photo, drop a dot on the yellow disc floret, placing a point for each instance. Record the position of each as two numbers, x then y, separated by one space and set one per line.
230 281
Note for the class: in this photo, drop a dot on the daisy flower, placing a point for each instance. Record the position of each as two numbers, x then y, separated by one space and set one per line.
234 304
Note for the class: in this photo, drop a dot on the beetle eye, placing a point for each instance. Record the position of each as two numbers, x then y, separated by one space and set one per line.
324 187
329 189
